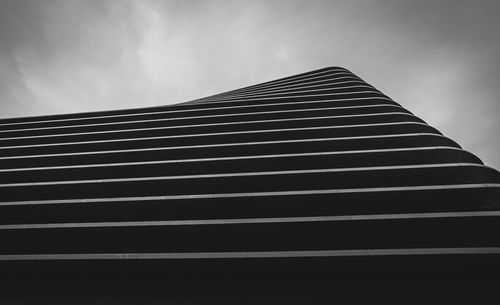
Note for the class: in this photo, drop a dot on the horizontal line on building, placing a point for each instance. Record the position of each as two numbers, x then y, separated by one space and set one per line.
276 83
329 85
266 94
245 174
195 110
214 134
255 194
268 97
255 255
307 84
224 145
198 117
265 86
233 158
207 124
267 220
290 97
292 79
324 79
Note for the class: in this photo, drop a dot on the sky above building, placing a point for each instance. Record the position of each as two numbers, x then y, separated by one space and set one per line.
439 59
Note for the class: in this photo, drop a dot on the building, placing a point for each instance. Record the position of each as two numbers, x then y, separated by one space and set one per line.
317 173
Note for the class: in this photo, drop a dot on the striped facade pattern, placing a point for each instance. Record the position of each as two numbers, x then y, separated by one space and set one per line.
319 164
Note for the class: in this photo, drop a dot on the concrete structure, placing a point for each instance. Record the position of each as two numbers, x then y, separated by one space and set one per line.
318 173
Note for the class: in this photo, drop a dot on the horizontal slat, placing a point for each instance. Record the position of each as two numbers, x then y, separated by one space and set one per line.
367 170
256 163
175 112
444 198
207 128
292 98
291 236
254 182
232 221
254 254
244 136
337 79
351 91
315 75
179 120
371 190
352 87
321 73
352 144
322 82
382 115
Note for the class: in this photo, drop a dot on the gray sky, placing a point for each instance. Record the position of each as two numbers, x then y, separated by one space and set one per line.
439 59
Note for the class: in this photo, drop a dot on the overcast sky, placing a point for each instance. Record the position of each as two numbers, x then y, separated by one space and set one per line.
439 59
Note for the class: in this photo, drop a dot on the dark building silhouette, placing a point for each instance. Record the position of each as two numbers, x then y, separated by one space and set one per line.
310 176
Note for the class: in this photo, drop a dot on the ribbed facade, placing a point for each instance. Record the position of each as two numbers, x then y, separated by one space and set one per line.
319 164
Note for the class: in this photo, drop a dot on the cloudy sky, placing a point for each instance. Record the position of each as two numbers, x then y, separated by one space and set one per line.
439 59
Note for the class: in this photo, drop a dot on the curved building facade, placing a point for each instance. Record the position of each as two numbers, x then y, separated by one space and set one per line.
317 171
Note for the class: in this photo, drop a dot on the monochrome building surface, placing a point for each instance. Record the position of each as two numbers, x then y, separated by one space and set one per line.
316 167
